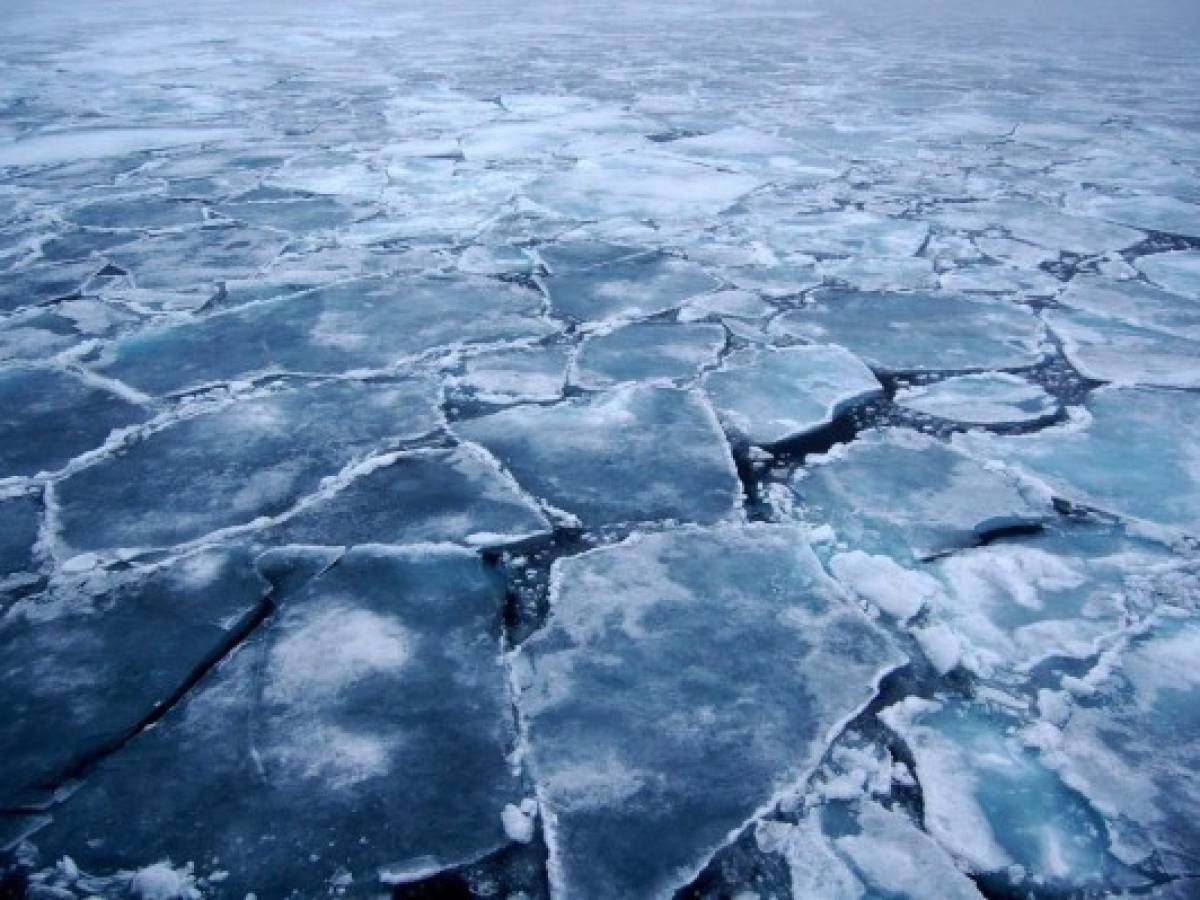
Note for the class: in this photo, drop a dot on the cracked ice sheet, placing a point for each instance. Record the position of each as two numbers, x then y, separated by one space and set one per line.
236 463
990 398
632 287
424 496
1112 351
905 495
292 763
635 454
85 664
641 185
1132 454
636 709
370 324
769 396
919 332
48 417
647 352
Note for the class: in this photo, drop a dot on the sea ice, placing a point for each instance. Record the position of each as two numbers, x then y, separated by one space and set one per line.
1132 455
987 398
49 417
993 804
633 287
515 374
84 667
369 324
423 496
638 710
1178 271
236 463
768 396
636 454
1110 350
920 332
647 352
904 495
293 761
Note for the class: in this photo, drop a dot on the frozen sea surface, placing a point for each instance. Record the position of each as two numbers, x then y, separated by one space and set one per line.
553 451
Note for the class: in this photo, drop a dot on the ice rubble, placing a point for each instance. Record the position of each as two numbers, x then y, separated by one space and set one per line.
993 804
1131 744
769 396
292 766
990 398
635 454
881 854
636 709
232 464
907 332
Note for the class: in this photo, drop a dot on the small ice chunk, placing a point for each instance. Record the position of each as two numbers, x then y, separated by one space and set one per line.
160 881
880 580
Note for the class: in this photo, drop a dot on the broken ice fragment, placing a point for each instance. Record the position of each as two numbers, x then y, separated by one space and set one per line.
635 287
1108 350
48 417
1060 593
647 351
1132 745
635 454
905 495
241 461
425 496
363 727
654 736
988 398
84 667
920 332
1132 456
768 396
1178 272
369 324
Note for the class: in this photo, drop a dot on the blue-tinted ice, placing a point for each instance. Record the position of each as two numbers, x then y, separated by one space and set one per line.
545 451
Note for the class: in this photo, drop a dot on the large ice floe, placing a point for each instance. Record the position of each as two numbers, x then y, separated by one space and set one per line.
541 451
637 710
